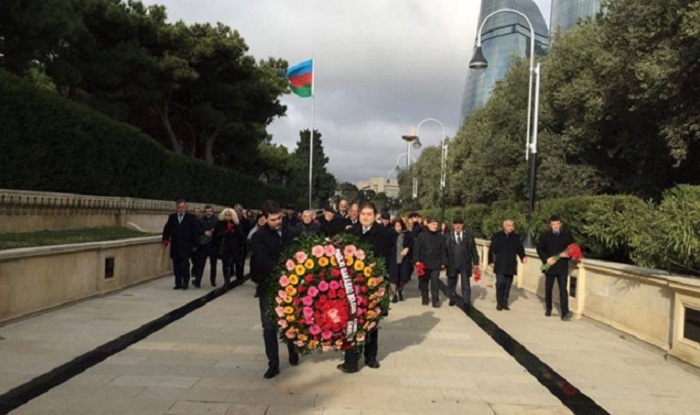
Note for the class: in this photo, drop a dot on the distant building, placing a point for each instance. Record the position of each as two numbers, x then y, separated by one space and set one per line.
389 187
504 35
568 13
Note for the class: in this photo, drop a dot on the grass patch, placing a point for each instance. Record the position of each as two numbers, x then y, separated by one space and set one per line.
72 236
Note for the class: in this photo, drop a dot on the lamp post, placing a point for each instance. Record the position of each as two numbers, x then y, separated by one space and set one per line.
443 148
479 62
409 158
412 141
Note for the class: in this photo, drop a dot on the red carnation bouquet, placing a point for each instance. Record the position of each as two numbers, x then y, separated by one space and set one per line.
573 251
420 269
477 274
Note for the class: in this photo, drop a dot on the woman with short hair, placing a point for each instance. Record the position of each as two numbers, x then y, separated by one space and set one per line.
399 265
230 239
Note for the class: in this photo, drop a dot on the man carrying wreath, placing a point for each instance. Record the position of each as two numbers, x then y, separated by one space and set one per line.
268 244
378 238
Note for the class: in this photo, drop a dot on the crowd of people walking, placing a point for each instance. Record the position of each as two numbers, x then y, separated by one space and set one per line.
408 245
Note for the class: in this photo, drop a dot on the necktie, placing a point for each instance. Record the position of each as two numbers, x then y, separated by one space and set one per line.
365 230
179 218
459 238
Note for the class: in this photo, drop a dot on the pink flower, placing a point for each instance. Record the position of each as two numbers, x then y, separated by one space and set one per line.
323 286
308 312
326 348
317 251
300 256
282 294
335 285
360 311
278 300
357 289
308 300
327 335
283 323
289 264
299 343
313 291
381 292
279 311
284 280
315 329
329 250
371 325
290 334
360 337
360 254
349 250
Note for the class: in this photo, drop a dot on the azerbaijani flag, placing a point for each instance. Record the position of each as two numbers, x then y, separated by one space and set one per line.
301 78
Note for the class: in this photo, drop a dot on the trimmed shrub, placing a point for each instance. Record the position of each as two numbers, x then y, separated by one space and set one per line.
53 144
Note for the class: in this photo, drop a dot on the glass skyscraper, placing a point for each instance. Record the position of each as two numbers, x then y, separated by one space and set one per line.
504 35
567 13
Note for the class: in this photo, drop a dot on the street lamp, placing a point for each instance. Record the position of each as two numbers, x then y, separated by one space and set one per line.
443 157
479 62
408 157
412 141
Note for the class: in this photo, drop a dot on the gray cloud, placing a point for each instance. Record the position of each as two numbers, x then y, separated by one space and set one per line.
381 67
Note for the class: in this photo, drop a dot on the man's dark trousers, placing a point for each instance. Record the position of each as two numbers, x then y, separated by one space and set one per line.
181 270
200 261
352 358
563 293
432 278
503 284
464 281
270 334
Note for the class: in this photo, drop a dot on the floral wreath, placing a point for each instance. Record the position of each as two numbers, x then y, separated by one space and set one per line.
329 294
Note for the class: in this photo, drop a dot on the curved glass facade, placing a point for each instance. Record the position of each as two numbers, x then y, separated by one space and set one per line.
504 35
567 13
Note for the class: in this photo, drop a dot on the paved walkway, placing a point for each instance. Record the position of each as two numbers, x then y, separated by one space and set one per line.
434 361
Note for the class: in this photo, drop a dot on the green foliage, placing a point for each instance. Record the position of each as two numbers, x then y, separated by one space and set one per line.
323 182
53 144
615 228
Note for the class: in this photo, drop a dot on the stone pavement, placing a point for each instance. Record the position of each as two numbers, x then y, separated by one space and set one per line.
434 361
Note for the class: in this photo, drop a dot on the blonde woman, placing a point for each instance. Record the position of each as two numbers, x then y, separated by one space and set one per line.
230 239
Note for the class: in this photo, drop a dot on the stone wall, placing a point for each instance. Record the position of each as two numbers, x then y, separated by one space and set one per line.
28 211
647 304
35 279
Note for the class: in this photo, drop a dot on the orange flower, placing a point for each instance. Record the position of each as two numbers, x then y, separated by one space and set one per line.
359 265
288 299
291 318
334 262
300 270
290 290
367 272
323 262
294 280
309 263
288 310
348 260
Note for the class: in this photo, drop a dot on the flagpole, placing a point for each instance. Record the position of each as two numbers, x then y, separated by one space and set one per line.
311 133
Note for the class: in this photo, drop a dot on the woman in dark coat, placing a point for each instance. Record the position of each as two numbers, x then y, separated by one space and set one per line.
400 267
230 238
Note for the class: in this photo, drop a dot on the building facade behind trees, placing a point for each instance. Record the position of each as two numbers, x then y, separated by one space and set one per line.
568 13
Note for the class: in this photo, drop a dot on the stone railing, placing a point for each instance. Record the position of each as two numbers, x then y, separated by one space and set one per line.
35 279
28 211
650 305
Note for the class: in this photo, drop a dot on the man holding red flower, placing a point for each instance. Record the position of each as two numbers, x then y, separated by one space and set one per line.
552 250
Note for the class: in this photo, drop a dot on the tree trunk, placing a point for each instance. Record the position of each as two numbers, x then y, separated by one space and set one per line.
209 144
163 112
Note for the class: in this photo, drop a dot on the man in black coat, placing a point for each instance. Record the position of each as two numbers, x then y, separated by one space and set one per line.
206 249
331 222
180 232
379 238
462 257
247 226
307 227
505 247
268 244
430 249
553 243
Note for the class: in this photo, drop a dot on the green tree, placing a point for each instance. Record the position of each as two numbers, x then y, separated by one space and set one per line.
323 182
348 191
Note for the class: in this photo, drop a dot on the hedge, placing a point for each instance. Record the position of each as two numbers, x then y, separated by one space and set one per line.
616 228
50 143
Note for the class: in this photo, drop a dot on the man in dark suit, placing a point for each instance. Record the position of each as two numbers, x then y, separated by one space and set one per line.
268 244
206 248
430 250
462 257
553 243
379 238
504 249
180 232
247 226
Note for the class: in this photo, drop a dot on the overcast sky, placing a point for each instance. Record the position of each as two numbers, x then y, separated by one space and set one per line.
382 66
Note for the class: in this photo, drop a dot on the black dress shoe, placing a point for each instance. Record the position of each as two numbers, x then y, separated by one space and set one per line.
177 287
395 299
505 307
436 304
548 313
346 369
425 302
401 296
452 303
272 371
294 358
568 316
372 363
499 307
